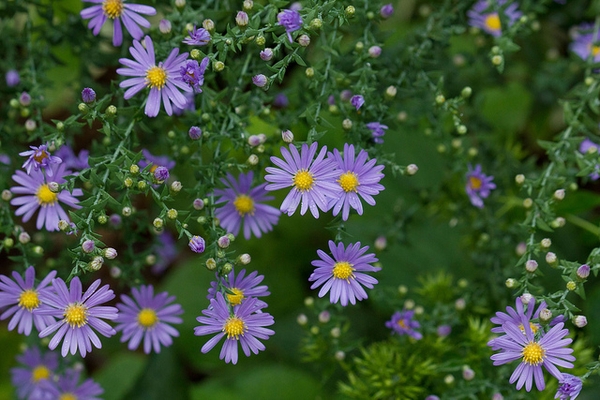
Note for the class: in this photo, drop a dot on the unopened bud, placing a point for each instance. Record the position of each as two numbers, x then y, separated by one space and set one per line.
350 10
583 271
252 159
466 92
126 211
551 257
211 264
24 238
531 265
245 259
347 124
511 283
571 285
88 246
218 66
411 169
287 136
208 24
6 195
580 321
546 243
559 194
111 110
545 315
223 242
468 374
391 91
380 243
110 253
304 40
302 319
172 213
324 317
527 203
176 186
96 263
158 223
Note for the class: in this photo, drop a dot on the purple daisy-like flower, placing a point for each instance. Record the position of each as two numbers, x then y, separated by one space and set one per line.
240 287
78 313
357 101
569 388
290 20
534 352
37 195
198 37
403 323
192 73
312 180
245 324
163 80
244 204
118 11
343 275
36 369
584 148
515 316
148 317
377 131
23 298
355 177
38 158
585 43
67 387
478 186
484 15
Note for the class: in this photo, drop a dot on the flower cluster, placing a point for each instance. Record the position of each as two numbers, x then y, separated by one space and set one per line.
485 14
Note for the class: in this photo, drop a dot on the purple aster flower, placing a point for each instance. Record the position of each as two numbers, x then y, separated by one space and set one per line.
484 15
163 79
148 317
355 176
72 161
357 101
239 288
244 204
155 161
245 323
67 387
403 323
23 297
88 95
39 157
39 196
478 186
198 37
343 275
78 313
36 369
161 174
584 148
197 244
12 78
569 387
192 73
118 11
377 131
290 20
534 353
312 180
515 317
165 251
585 44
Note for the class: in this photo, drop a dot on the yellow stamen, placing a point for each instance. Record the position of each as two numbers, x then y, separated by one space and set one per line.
303 180
113 8
46 196
533 354
348 181
40 372
234 327
156 77
342 270
475 182
40 155
236 297
76 315
244 204
147 318
492 22
402 324
67 396
534 328
595 50
29 299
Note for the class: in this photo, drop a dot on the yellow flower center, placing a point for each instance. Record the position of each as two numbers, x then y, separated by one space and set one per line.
46 196
303 180
67 396
29 299
156 77
236 297
534 328
147 318
342 270
40 155
533 354
402 324
40 372
475 182
113 8
595 50
492 22
234 327
348 181
76 315
244 204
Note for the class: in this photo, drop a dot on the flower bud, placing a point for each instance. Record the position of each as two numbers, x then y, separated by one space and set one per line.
208 24
324 317
227 268
266 54
110 253
391 91
111 110
468 374
347 124
316 24
380 243
349 11
545 315
527 203
511 283
571 285
197 244
164 26
223 242
466 92
339 355
115 272
241 19
172 213
179 3
248 5
260 40
88 246
260 80
551 257
460 304
126 211
96 263
24 238
580 321
302 319
198 204
161 174
304 40
6 195
374 51
218 66
211 264
252 159
335 332
386 11
559 194
526 298
54 187
411 169
531 265
176 186
309 72
158 223
583 271
8 242
546 243
245 259
195 133
521 248
287 136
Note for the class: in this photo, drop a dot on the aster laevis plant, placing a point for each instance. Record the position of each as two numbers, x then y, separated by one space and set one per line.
403 323
516 316
312 179
40 194
569 387
36 370
77 313
245 205
240 287
38 158
197 37
585 43
485 15
67 387
548 351
244 323
119 11
343 275
23 299
357 176
164 80
479 185
193 73
148 317
290 20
